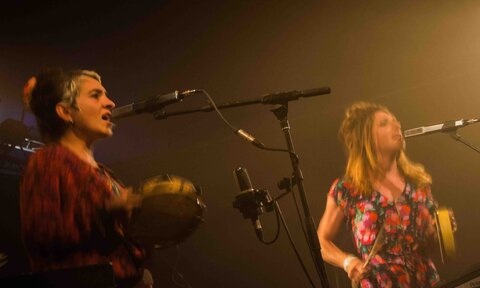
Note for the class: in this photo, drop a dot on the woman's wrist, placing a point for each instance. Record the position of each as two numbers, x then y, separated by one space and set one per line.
347 260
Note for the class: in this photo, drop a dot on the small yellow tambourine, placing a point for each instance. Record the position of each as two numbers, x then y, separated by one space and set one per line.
445 233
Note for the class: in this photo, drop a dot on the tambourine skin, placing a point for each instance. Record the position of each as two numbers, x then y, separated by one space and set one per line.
171 210
445 233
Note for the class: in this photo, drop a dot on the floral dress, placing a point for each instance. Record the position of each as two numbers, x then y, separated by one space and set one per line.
401 261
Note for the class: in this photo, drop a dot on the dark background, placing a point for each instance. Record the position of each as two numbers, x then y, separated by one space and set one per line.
420 58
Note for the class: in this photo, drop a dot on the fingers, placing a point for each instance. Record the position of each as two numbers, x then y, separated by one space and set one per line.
356 270
453 220
432 227
127 200
362 273
134 200
131 200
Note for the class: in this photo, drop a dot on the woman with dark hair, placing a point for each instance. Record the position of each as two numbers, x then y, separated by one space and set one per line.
381 190
74 212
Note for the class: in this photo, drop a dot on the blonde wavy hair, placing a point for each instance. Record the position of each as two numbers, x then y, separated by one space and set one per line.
356 133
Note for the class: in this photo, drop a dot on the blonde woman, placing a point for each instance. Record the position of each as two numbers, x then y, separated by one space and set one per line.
381 188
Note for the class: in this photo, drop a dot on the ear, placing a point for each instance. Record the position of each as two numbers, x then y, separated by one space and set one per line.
64 112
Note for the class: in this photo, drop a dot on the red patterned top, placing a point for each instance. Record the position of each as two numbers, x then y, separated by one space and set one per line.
64 222
402 261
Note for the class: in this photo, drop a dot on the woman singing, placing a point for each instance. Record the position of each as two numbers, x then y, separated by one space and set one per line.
381 189
73 210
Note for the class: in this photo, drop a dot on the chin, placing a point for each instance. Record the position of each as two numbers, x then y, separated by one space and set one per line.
105 134
398 149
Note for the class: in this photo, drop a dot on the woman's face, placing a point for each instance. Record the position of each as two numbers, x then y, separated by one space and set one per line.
92 118
387 133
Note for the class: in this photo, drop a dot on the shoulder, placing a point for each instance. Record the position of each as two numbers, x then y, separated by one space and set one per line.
419 193
342 192
342 188
411 186
342 184
51 152
51 159
106 170
44 169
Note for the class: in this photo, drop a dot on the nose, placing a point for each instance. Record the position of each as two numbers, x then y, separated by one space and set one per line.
109 103
398 126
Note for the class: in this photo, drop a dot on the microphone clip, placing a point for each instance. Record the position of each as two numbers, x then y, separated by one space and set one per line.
286 183
253 202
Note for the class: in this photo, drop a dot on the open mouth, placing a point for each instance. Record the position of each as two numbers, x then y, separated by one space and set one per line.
107 116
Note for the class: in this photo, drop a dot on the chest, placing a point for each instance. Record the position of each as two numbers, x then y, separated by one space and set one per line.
410 211
391 189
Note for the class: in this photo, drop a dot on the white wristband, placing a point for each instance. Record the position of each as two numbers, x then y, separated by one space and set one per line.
347 261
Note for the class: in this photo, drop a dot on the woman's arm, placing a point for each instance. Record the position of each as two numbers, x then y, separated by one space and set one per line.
327 230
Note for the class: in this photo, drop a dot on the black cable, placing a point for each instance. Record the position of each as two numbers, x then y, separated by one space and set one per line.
259 145
217 110
276 235
294 247
277 207
300 217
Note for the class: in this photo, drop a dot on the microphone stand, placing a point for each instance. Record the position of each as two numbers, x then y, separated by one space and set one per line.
162 114
454 134
274 98
449 127
281 113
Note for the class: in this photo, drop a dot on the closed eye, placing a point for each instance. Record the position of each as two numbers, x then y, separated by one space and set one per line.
384 122
96 93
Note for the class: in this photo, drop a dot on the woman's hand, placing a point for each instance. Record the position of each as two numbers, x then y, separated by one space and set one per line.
356 270
126 201
453 220
432 226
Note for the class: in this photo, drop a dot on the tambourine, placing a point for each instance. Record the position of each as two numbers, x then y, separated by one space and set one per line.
172 208
445 233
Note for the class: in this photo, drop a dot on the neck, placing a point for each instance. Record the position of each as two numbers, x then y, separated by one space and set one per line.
388 165
83 149
391 182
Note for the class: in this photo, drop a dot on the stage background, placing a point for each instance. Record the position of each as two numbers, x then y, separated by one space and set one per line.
420 58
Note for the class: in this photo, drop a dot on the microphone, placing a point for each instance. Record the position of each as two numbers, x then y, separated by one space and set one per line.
282 97
149 105
245 201
243 180
443 127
